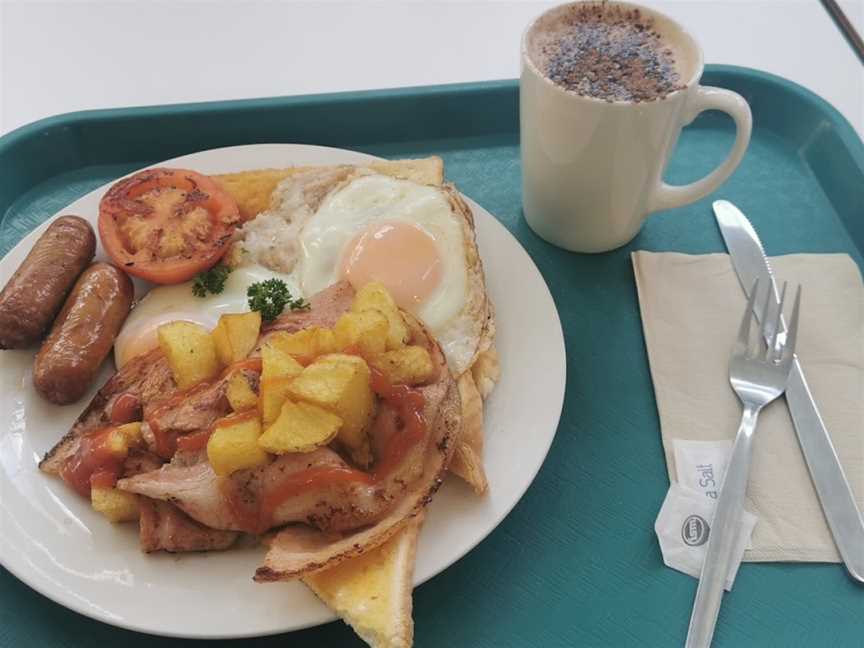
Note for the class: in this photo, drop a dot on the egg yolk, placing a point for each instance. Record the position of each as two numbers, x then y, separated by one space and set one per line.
401 256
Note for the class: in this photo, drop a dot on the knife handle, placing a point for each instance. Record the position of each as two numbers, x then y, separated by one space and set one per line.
832 487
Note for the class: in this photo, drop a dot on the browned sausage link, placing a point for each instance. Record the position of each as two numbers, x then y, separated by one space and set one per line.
83 333
35 293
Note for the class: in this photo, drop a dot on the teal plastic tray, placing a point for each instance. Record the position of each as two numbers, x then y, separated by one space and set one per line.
576 563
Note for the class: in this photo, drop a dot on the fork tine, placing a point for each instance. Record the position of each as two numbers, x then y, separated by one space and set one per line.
772 352
792 330
765 314
743 342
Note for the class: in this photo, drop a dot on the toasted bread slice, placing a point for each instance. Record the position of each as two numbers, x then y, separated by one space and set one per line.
486 371
423 171
467 460
372 592
253 190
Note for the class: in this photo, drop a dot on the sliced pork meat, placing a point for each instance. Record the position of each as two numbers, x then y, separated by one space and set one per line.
185 413
324 309
140 461
142 380
164 527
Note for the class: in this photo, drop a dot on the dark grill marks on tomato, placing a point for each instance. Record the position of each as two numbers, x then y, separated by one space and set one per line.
167 225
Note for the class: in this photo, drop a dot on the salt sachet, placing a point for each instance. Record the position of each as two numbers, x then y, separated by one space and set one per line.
683 525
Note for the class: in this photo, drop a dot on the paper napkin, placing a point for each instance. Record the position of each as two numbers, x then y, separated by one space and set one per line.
691 307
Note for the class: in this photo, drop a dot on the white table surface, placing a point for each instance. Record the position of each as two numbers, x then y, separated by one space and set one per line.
60 57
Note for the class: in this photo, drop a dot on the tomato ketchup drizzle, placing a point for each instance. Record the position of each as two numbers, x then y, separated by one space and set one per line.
252 364
198 440
166 442
194 441
125 409
93 460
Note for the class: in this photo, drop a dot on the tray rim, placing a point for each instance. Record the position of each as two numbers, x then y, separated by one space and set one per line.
51 147
847 133
90 115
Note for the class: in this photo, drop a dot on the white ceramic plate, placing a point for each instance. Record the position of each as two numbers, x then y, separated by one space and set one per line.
54 542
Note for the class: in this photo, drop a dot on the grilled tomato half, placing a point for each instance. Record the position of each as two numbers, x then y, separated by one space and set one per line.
167 225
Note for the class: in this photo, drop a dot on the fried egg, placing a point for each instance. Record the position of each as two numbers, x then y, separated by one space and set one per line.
165 304
409 237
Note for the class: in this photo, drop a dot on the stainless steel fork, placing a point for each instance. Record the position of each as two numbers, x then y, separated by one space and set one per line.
758 377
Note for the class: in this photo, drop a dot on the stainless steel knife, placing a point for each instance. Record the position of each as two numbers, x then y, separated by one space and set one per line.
838 502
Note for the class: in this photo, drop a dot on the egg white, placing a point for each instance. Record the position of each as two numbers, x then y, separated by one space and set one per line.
165 304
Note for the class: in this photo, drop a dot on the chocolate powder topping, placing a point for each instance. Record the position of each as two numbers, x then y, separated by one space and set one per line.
610 53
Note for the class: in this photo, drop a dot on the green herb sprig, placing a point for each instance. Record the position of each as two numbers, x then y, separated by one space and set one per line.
212 281
271 297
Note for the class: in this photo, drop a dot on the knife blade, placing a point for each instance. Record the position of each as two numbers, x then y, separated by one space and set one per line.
832 487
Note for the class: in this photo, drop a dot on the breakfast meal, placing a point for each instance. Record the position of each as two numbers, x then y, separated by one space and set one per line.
605 51
309 361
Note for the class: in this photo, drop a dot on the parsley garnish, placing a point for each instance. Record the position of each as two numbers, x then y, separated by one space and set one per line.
213 280
270 297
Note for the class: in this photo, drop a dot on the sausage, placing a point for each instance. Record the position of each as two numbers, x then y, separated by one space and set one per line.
35 293
83 333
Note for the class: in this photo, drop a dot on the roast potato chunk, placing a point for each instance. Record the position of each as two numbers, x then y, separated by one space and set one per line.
375 297
278 371
131 433
366 332
114 504
300 427
239 393
305 345
236 335
123 437
277 363
274 392
234 445
410 365
190 351
340 384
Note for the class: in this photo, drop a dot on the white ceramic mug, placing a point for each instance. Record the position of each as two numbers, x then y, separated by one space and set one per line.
592 170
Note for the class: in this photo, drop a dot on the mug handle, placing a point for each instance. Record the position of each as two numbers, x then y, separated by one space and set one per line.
707 98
